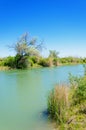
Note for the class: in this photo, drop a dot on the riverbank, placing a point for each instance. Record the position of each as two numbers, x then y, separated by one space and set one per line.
3 68
25 62
67 104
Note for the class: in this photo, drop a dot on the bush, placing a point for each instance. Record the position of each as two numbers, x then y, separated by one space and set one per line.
44 62
30 62
80 91
34 59
1 62
78 85
21 62
9 61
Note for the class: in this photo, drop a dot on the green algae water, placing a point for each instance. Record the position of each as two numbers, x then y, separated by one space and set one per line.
23 96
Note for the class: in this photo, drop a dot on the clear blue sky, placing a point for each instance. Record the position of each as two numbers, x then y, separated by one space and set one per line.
60 23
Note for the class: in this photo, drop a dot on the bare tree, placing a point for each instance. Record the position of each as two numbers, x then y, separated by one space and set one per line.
53 54
27 46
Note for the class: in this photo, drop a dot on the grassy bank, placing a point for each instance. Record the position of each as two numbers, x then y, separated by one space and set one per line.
67 104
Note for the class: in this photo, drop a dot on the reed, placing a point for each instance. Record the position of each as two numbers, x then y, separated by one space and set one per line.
58 103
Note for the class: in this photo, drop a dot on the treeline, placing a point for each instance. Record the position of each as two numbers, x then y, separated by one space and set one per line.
21 62
28 54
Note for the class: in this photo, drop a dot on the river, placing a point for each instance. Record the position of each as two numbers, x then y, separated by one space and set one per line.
23 96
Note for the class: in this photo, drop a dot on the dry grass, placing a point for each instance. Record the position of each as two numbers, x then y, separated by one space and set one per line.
58 103
4 68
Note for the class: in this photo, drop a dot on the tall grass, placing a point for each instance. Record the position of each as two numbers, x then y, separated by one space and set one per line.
58 103
67 104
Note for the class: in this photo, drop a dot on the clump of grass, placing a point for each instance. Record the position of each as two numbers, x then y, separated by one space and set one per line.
67 104
58 103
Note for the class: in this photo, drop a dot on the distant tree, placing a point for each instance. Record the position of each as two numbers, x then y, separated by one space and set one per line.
53 54
27 46
53 57
24 48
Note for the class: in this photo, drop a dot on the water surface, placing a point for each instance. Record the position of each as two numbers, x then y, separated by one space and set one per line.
23 96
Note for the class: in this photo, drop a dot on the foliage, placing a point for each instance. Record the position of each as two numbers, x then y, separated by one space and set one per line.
84 60
35 59
44 62
28 55
9 61
53 54
68 60
53 57
21 62
67 106
55 61
2 62
79 85
58 103
26 48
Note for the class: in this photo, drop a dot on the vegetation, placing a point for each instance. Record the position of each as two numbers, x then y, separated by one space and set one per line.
57 103
28 55
53 58
67 104
74 60
35 60
25 48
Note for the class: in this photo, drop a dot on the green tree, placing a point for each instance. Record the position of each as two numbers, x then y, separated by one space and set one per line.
24 48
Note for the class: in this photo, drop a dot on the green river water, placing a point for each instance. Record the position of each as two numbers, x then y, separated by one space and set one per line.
23 96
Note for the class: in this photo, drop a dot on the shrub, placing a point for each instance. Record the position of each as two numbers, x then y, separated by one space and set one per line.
78 84
80 92
9 61
34 59
30 62
44 62
21 62
1 62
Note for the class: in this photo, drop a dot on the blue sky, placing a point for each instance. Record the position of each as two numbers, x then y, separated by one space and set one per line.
60 23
